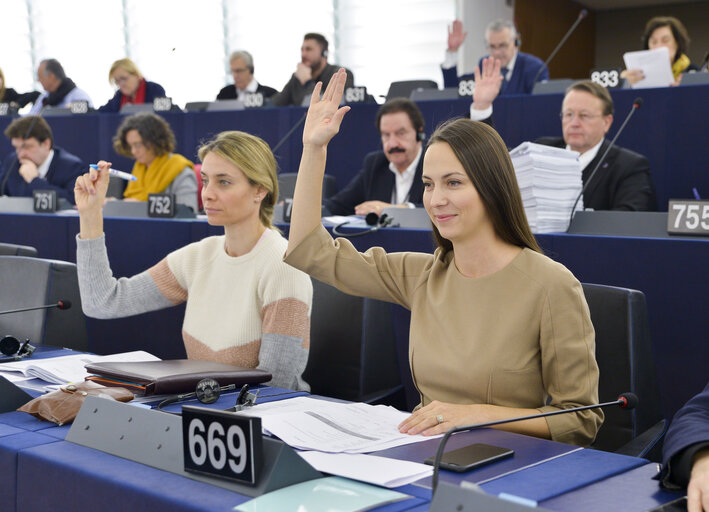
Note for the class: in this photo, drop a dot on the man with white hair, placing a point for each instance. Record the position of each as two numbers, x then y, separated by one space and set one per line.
241 64
518 69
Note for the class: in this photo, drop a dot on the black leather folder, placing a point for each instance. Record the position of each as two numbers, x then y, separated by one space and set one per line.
171 376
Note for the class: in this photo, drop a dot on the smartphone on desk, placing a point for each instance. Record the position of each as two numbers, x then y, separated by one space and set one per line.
470 457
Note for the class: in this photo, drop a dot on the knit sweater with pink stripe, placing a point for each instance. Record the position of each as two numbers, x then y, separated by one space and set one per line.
252 310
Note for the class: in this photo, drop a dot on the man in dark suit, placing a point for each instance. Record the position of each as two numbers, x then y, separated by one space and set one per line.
518 69
623 181
391 177
37 163
241 64
685 453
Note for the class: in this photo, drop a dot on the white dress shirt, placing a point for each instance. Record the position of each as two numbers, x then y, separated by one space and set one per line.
404 180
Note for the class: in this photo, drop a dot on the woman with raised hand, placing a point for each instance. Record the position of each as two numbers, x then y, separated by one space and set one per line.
244 305
498 330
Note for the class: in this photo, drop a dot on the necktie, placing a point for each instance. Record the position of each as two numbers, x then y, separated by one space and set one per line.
503 86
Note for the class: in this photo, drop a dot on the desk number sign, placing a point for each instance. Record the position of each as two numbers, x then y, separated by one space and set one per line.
161 205
688 217
608 78
44 201
222 444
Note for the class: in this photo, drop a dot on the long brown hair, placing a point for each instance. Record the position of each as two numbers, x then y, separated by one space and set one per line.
486 161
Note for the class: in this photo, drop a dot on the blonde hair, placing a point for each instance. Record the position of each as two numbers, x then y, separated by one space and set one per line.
125 64
254 158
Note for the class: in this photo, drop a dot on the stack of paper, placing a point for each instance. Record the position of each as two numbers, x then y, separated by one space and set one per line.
549 179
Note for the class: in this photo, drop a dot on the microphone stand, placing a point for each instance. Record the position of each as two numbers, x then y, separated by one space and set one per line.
626 400
636 105
581 16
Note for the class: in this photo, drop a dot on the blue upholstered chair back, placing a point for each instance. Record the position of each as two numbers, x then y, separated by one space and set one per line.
28 282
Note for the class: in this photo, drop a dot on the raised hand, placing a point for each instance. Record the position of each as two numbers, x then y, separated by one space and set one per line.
487 83
456 35
90 189
325 114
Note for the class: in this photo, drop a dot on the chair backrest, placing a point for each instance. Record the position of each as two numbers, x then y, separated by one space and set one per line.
286 185
17 250
449 93
404 88
29 282
352 351
135 108
116 187
625 360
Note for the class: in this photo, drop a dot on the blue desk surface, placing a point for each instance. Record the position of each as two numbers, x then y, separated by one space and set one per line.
79 478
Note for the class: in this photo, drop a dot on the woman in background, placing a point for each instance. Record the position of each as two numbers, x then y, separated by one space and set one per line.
132 87
669 32
498 330
149 139
245 306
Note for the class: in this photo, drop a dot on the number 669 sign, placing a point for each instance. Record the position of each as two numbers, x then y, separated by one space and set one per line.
222 444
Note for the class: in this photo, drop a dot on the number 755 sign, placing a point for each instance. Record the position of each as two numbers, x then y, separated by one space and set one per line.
687 216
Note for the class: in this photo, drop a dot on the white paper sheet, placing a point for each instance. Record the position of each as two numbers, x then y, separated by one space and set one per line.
655 65
368 468
64 369
310 424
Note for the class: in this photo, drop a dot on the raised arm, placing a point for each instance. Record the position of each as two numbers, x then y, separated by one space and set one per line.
321 125
90 193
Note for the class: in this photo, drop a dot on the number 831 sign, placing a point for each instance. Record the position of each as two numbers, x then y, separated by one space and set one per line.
222 444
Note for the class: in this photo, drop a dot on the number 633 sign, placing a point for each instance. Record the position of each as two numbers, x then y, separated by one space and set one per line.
222 444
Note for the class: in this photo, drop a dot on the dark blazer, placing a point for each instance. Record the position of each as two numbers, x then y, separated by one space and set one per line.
61 176
521 82
152 91
688 433
12 96
375 182
623 182
229 92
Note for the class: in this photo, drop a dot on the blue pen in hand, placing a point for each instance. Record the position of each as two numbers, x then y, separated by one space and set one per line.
118 174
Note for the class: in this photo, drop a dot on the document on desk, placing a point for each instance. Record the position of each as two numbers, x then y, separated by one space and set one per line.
311 424
368 468
64 369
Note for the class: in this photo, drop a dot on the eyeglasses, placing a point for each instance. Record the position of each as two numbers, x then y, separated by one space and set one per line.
584 117
501 47
239 71
121 79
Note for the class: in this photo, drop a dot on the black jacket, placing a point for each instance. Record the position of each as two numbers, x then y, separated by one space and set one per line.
623 182
375 182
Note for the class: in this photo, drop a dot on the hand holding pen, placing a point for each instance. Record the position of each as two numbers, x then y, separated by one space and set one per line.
115 172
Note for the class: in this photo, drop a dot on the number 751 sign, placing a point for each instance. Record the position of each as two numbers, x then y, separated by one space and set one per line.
687 216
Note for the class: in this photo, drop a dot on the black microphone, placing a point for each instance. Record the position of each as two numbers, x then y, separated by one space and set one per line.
625 401
288 134
581 16
636 105
62 304
372 219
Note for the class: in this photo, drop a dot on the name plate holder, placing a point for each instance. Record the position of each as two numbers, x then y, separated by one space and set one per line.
154 438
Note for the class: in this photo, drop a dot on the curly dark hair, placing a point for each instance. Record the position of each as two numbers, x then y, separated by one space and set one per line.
153 129
676 27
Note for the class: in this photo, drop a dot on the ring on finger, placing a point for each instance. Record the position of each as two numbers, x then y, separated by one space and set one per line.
439 418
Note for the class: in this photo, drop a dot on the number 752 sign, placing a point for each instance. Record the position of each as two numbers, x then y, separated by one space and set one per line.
688 217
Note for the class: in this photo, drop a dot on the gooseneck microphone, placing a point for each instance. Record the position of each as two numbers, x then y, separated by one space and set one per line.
625 401
62 304
636 105
372 219
580 17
